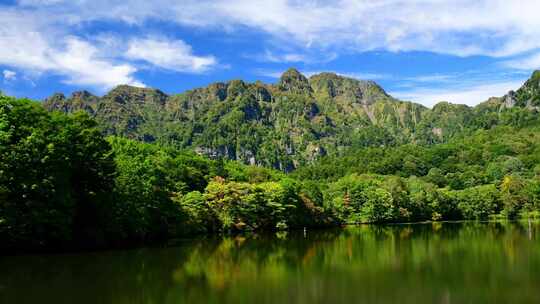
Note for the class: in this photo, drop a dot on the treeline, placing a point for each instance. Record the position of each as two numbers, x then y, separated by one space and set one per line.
486 173
484 157
63 184
375 198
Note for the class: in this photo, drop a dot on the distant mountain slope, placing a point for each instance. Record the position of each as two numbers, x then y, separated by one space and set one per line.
287 124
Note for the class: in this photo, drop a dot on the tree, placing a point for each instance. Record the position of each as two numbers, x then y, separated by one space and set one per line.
514 195
478 202
56 180
378 206
436 176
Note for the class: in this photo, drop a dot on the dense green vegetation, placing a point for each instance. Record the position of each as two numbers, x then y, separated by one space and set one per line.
124 168
63 183
56 176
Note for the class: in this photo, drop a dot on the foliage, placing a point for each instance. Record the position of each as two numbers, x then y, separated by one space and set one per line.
178 165
56 173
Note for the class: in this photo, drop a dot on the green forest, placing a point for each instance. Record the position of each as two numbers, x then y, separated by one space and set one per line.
138 166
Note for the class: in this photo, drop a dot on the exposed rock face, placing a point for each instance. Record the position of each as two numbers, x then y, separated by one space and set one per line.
218 90
529 94
509 100
261 93
236 88
84 97
79 101
438 132
55 102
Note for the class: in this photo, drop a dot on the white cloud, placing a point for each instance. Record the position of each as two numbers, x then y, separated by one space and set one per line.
355 75
286 54
30 45
39 2
17 31
38 41
459 27
525 63
169 54
365 76
470 95
268 73
281 58
460 88
309 73
497 28
9 75
80 62
431 78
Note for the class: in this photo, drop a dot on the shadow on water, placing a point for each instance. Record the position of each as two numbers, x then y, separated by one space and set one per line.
467 262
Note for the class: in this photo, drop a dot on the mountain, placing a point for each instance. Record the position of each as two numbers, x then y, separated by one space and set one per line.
292 122
528 96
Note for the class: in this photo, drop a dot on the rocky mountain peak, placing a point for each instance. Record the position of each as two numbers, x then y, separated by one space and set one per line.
81 94
529 94
331 85
56 97
79 101
128 94
293 81
84 96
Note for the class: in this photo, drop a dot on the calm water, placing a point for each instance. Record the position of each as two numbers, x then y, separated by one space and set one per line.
421 263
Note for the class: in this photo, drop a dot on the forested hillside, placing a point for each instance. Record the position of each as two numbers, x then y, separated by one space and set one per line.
290 123
133 166
283 126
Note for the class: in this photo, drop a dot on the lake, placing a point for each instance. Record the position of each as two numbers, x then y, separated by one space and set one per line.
468 262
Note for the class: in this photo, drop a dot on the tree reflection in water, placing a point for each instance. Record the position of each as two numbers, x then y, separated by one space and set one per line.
496 262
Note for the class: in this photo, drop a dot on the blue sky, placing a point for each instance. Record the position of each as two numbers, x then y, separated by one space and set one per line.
419 50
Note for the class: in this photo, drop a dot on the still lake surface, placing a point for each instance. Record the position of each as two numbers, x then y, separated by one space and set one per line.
469 262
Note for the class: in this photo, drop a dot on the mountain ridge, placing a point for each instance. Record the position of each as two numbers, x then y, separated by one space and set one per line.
289 123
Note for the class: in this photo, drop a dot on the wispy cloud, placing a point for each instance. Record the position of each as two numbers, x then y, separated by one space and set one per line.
268 73
269 56
471 94
355 75
461 27
80 62
293 56
169 54
438 78
29 45
529 62
365 76
39 41
470 88
9 75
495 28
467 87
309 73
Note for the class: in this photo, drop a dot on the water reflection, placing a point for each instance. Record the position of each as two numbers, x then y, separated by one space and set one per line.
421 263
